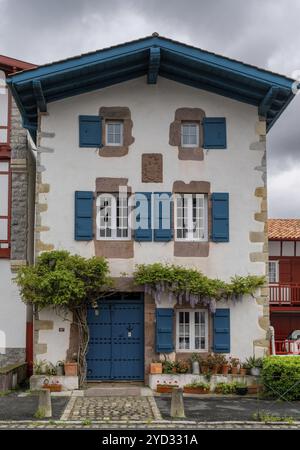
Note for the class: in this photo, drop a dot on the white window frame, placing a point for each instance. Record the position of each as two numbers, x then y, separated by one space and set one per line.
190 223
112 218
114 144
192 331
276 262
194 124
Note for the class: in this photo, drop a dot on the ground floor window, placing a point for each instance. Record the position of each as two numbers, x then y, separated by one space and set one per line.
191 330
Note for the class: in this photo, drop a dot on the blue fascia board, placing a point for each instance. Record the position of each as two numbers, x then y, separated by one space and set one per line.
239 73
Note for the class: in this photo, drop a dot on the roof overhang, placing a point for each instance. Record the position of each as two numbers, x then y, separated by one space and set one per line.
151 56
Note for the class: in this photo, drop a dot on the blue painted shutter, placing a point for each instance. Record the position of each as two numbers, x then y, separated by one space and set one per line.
220 217
90 131
143 229
164 330
84 215
222 330
163 216
214 130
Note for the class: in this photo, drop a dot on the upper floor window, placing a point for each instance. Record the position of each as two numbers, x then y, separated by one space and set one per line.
189 134
191 217
114 133
3 109
4 208
192 330
273 272
112 216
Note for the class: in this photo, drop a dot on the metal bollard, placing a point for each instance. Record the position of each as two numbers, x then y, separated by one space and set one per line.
177 406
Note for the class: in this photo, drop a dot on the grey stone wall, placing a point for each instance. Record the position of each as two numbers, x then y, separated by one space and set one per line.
20 166
12 356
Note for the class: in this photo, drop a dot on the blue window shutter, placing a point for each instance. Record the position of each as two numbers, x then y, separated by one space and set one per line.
143 228
222 330
84 215
164 330
220 217
90 131
163 211
214 131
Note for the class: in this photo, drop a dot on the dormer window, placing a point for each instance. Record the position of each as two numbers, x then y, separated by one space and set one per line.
189 134
114 133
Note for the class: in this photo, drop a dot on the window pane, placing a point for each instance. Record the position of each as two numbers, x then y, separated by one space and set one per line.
3 230
3 135
3 195
272 272
4 166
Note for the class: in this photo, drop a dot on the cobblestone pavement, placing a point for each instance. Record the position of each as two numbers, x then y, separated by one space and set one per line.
111 408
149 425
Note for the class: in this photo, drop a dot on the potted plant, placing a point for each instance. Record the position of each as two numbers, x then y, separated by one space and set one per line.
71 368
165 388
255 365
182 366
225 366
225 388
241 388
196 387
195 364
234 364
204 364
243 369
219 361
156 367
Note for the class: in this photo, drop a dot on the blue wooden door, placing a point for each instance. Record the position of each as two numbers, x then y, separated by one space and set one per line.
116 346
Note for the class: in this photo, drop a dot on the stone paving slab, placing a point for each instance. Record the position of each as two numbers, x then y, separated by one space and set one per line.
111 408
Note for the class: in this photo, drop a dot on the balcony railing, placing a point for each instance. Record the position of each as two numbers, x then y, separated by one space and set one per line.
287 347
284 294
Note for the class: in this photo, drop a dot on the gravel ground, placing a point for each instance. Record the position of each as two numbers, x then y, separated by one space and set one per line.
16 407
229 409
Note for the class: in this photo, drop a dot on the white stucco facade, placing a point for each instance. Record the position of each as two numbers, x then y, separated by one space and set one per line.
13 310
70 168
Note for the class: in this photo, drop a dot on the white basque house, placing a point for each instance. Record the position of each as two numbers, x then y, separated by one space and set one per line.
117 128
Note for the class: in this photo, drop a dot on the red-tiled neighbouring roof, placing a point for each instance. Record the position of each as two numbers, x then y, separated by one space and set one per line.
288 229
9 63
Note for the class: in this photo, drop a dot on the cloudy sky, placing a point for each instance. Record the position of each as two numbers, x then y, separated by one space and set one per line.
264 33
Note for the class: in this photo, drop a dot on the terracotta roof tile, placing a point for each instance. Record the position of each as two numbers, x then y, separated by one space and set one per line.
284 229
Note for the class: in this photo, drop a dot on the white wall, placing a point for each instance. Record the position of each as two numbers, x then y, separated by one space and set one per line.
13 310
153 107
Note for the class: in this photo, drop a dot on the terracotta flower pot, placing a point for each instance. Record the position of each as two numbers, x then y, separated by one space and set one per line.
156 368
234 370
243 371
215 370
54 387
195 390
225 369
204 369
71 369
164 389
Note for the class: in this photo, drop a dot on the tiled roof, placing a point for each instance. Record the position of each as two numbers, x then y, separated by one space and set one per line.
284 229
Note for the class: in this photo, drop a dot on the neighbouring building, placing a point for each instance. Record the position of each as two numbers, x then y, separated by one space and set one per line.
284 279
153 116
16 218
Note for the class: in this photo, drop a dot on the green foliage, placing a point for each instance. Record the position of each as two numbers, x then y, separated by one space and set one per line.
43 367
263 416
253 362
198 384
40 414
61 279
190 282
226 388
175 366
281 377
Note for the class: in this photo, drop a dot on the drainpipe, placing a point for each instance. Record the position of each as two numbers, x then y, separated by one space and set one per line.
272 339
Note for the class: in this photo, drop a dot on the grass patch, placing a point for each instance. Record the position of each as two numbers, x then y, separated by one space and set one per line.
263 416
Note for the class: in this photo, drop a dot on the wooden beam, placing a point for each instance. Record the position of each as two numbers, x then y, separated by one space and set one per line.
266 103
39 95
154 63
